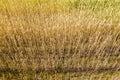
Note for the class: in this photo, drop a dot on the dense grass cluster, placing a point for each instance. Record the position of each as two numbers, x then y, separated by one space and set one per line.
60 39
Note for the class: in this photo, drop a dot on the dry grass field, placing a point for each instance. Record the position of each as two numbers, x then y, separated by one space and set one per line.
59 40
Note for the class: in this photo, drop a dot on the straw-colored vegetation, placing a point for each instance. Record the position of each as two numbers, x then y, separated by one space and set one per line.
59 40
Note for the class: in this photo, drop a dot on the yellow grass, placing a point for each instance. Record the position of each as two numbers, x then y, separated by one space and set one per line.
58 37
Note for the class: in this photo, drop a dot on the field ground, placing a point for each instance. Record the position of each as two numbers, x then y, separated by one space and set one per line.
59 40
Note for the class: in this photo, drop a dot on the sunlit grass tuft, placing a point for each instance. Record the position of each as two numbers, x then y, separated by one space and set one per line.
49 38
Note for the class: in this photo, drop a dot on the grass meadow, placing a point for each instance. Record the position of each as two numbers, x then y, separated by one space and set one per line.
59 40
